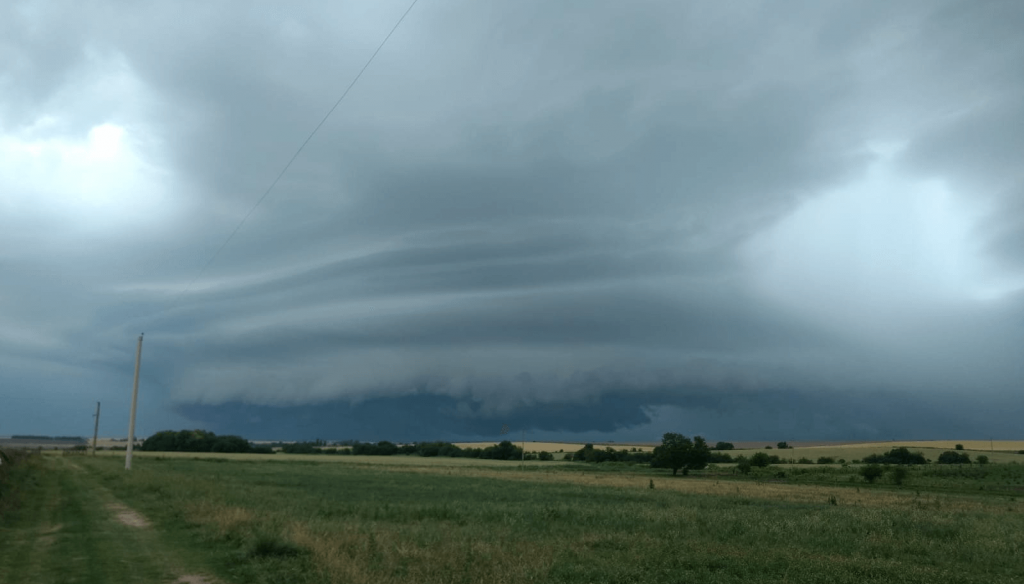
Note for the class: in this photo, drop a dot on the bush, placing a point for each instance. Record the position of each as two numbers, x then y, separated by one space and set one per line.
826 460
783 445
952 457
723 446
805 460
959 446
871 472
982 459
544 455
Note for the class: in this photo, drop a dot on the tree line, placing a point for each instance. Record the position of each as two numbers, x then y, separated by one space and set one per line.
676 451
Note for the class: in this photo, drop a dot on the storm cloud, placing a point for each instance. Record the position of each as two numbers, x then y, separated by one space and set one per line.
593 219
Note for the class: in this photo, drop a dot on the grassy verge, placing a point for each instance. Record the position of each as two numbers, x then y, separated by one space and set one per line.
292 521
61 530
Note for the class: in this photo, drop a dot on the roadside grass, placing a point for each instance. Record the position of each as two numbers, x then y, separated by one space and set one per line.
61 531
294 521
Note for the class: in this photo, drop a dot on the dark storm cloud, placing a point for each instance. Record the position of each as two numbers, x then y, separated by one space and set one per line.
518 205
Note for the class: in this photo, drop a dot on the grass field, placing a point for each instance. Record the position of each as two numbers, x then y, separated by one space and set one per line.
275 518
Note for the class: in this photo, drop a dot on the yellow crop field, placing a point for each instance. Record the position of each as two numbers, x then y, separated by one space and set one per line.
930 449
556 446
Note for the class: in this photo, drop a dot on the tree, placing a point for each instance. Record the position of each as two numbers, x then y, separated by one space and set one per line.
899 455
723 446
719 457
679 452
743 465
760 459
783 445
959 446
194 441
982 459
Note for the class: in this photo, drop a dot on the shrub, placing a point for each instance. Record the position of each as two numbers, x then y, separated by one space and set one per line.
982 459
723 446
783 445
952 457
959 446
871 472
544 455
805 460
826 460
842 461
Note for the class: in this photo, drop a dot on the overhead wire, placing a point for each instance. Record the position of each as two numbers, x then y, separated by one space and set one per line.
295 156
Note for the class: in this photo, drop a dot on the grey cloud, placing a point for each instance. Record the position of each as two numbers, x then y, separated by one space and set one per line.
518 202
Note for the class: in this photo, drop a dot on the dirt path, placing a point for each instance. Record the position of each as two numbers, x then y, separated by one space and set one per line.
72 530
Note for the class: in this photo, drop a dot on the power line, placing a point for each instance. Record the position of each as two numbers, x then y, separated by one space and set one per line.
294 157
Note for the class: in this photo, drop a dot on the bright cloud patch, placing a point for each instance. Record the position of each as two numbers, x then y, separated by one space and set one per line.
873 251
98 181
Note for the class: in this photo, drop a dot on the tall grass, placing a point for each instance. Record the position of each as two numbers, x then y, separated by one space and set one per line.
296 522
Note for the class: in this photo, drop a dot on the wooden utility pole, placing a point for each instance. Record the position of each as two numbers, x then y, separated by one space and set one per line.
522 463
135 399
96 429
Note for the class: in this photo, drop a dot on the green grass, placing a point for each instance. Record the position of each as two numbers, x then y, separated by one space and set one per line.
307 521
63 532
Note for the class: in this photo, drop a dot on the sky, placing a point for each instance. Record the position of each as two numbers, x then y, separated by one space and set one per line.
584 220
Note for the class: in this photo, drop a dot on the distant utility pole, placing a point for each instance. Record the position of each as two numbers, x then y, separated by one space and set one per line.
96 429
523 462
135 399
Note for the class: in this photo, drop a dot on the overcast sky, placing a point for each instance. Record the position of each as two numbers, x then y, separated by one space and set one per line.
588 220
